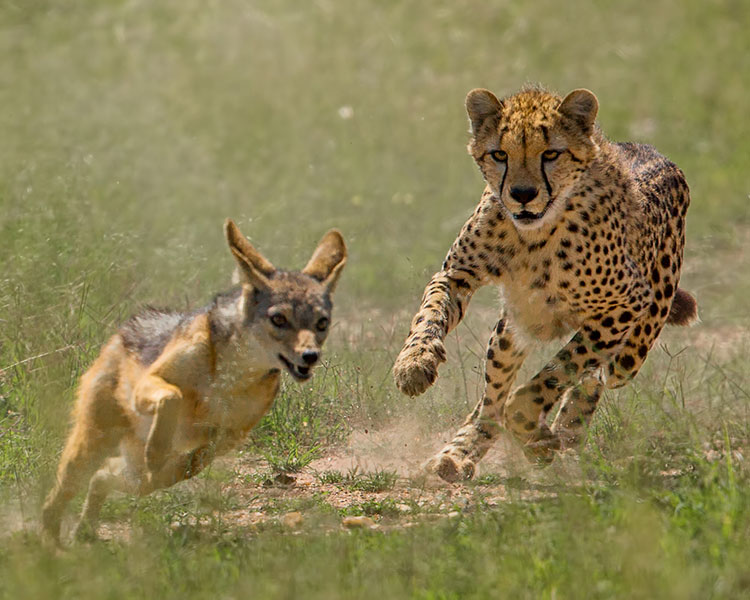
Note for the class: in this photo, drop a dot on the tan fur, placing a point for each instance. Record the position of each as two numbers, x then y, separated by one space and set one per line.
141 425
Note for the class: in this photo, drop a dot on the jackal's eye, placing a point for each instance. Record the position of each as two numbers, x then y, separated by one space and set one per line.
499 155
322 324
279 320
550 154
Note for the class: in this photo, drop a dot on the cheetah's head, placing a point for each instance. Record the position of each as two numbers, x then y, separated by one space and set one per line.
532 148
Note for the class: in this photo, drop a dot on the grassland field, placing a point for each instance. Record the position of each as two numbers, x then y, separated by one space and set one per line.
130 129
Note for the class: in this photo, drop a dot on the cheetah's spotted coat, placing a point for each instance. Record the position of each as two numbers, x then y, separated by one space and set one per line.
582 235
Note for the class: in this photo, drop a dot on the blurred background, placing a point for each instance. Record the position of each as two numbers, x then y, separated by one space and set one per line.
130 129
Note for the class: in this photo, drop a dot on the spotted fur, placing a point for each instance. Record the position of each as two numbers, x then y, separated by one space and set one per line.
581 235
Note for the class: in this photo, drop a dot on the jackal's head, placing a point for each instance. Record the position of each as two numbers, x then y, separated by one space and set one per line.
532 148
289 312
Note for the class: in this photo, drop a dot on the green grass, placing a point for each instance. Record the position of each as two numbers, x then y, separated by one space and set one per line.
129 130
379 480
612 541
291 434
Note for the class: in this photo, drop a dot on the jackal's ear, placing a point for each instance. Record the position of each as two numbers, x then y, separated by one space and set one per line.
481 105
328 259
254 268
580 106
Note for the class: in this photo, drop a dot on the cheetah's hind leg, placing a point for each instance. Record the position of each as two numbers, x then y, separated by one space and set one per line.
577 408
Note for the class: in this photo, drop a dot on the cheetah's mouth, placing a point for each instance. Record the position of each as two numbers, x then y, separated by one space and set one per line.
299 373
526 216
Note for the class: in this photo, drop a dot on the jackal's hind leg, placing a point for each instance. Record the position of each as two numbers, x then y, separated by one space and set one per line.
128 474
112 477
84 452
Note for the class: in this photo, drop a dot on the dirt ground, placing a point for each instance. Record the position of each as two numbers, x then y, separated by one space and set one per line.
259 498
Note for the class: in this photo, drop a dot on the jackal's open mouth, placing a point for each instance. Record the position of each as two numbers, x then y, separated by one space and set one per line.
299 373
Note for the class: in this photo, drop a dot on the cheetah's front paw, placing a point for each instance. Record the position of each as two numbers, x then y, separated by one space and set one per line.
416 368
450 468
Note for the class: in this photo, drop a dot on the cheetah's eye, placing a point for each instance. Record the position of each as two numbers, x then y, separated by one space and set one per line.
279 320
550 154
499 155
322 324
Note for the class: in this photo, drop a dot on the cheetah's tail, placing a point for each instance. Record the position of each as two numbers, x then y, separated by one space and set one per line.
684 309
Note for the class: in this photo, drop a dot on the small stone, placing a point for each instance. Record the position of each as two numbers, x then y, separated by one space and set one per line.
284 479
713 455
292 520
358 522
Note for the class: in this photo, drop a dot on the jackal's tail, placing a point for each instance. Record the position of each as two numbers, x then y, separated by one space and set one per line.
684 309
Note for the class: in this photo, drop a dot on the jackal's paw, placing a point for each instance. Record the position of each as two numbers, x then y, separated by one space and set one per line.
450 468
156 457
416 368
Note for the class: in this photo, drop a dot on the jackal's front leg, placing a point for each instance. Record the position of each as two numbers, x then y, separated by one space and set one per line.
154 396
184 466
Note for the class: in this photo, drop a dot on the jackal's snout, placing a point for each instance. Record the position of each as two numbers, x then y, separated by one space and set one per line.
299 364
310 356
303 355
307 347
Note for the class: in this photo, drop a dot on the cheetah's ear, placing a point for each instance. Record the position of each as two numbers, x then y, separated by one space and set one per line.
581 107
481 105
253 267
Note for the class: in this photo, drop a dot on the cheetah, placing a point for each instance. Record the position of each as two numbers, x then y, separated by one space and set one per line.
582 236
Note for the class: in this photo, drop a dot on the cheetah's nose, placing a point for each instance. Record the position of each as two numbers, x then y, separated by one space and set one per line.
523 194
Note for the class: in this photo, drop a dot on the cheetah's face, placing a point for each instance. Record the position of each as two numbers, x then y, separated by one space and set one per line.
532 148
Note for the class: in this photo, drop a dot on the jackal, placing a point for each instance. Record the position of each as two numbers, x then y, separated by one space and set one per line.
172 390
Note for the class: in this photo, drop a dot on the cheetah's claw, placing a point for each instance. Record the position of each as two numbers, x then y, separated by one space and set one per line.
416 368
449 468
542 450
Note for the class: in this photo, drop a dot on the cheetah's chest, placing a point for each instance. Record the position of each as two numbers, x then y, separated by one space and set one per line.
536 305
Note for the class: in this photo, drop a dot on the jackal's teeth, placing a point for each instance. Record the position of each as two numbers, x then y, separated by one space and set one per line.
299 373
